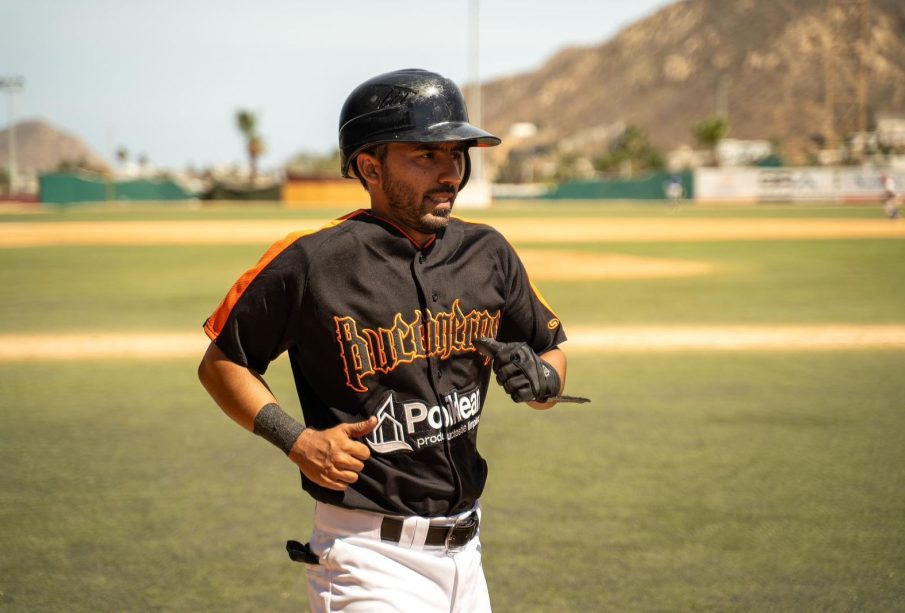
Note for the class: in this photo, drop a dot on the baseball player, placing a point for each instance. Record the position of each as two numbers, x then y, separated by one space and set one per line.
393 318
674 190
890 196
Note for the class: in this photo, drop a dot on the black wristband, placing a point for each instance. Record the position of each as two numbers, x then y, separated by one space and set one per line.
275 425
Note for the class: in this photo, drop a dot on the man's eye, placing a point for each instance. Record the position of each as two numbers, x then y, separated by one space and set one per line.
429 155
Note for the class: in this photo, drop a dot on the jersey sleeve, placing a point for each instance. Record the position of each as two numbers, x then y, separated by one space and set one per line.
258 318
527 316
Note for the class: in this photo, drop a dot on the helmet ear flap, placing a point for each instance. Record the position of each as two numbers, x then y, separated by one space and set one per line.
467 172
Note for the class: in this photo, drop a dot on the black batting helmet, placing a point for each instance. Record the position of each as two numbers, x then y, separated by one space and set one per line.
406 106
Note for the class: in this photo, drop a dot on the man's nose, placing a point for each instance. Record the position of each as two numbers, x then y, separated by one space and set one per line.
452 169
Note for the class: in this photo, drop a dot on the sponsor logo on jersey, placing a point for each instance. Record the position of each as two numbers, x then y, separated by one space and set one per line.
365 351
419 425
388 435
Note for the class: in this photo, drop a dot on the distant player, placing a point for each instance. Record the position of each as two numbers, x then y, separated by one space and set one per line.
890 196
674 190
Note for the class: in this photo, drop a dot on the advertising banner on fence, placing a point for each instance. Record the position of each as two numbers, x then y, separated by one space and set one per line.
863 185
737 185
796 184
749 185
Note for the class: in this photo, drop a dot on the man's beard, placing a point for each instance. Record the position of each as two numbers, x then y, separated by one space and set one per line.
416 211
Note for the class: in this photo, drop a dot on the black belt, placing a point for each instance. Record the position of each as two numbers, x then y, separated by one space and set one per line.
450 536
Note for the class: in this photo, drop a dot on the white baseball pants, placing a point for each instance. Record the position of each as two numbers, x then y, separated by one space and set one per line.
360 573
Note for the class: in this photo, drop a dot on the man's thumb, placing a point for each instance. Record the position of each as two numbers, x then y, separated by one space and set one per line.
361 428
488 346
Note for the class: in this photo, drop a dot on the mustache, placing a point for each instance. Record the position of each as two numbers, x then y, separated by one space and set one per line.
443 191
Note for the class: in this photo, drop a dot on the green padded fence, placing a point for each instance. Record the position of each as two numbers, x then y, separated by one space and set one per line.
649 187
67 188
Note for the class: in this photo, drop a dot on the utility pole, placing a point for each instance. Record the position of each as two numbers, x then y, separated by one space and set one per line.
479 193
12 85
474 76
845 67
722 97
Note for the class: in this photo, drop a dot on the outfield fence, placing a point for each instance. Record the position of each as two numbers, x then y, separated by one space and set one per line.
751 185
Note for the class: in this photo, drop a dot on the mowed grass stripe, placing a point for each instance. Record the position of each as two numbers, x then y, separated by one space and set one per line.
126 288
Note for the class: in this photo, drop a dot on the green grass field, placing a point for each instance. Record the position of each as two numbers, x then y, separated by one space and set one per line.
700 481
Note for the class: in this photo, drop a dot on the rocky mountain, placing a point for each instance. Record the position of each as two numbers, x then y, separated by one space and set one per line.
42 147
766 62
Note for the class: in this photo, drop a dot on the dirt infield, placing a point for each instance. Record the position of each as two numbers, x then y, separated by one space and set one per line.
735 338
578 266
88 346
16 347
521 230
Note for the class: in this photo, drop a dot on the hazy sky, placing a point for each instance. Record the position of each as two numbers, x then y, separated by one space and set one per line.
165 77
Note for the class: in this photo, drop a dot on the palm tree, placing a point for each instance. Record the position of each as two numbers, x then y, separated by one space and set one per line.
254 144
632 151
709 132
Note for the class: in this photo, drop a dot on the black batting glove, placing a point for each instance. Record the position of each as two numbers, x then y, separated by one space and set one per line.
520 371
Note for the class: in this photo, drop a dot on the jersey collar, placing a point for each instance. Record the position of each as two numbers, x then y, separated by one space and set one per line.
396 228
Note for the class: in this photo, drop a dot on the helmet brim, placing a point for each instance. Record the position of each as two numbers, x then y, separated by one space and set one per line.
453 131
445 132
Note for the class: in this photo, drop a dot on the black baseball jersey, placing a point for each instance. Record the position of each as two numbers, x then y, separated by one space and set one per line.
375 325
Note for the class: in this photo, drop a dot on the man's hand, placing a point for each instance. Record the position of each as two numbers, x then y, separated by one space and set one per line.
332 458
520 371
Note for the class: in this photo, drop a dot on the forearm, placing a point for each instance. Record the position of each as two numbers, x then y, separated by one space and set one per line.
557 359
236 390
331 458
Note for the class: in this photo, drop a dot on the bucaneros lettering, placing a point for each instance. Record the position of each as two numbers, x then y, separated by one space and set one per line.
366 351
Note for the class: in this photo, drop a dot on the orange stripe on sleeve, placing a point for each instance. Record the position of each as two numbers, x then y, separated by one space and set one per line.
534 289
214 324
541 298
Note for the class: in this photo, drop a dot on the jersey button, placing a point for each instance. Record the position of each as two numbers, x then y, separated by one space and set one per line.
435 296
421 258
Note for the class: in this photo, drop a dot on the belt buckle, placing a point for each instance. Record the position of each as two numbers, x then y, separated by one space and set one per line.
467 529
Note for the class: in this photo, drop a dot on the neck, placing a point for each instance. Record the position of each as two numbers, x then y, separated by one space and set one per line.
418 238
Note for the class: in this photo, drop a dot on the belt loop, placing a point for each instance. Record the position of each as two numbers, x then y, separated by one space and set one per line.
414 532
422 526
449 536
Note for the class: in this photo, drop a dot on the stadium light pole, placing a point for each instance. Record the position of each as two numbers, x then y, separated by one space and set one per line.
474 44
722 97
11 85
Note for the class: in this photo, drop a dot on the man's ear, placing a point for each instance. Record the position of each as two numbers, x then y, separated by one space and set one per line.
369 168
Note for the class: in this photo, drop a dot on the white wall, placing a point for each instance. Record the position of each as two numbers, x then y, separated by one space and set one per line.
749 185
